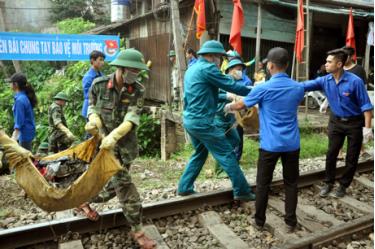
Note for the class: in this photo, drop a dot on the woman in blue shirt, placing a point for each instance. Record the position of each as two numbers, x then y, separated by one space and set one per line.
24 102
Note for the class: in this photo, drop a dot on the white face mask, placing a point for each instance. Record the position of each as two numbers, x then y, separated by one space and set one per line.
237 74
130 77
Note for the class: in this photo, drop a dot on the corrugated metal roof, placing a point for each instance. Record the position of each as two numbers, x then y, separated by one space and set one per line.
332 7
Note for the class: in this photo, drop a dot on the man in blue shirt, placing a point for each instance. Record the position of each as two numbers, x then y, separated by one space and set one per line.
278 101
201 85
351 109
97 62
191 56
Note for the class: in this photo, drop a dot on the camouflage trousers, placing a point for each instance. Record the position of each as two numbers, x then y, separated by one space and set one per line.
57 144
121 185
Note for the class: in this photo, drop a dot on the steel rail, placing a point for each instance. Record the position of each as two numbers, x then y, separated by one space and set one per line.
47 231
326 236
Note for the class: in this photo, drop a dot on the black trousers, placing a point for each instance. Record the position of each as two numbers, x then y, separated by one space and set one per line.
266 165
337 131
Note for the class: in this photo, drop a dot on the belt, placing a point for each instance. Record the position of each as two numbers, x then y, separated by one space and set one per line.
347 119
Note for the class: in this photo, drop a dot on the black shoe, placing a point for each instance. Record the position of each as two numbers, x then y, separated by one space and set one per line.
325 190
340 192
257 226
290 229
185 193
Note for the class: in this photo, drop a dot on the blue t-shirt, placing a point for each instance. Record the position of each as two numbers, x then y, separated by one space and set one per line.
24 119
192 61
348 98
278 100
86 84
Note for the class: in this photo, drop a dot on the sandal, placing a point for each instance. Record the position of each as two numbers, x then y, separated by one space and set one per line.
143 241
87 211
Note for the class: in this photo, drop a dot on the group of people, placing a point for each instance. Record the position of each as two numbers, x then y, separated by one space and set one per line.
112 106
205 87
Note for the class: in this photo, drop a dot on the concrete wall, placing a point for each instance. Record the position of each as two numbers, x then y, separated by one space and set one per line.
26 15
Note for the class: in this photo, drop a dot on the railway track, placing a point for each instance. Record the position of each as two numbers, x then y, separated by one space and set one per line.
319 223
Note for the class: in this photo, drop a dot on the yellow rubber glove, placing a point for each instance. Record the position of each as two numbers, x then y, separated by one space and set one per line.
13 151
110 141
94 125
68 133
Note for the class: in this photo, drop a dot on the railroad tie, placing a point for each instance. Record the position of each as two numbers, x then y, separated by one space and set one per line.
226 237
152 232
320 215
304 219
355 204
279 228
365 182
74 244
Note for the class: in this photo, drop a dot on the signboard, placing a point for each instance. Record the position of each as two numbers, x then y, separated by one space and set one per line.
55 47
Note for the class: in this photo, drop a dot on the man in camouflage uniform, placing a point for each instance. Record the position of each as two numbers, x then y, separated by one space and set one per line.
115 103
60 137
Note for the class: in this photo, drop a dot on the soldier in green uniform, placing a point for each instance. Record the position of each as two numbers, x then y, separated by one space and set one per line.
115 103
60 137
42 150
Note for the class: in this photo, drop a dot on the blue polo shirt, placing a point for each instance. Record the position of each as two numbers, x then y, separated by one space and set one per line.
278 100
24 119
86 84
348 98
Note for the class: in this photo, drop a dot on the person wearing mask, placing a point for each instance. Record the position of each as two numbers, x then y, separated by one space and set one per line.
202 82
97 63
351 113
114 113
278 100
191 56
24 102
227 122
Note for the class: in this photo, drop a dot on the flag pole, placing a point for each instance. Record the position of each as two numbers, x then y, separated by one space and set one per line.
189 28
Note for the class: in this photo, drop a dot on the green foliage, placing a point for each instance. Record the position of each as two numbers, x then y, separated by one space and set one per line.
6 102
92 10
74 26
148 133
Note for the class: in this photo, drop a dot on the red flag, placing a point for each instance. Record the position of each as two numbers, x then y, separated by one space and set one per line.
199 8
350 37
237 24
300 35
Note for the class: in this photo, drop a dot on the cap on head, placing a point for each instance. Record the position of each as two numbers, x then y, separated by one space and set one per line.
172 53
279 56
131 58
61 96
234 63
43 146
212 47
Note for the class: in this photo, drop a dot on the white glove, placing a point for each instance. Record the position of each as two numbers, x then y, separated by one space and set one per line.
15 135
323 106
228 109
367 135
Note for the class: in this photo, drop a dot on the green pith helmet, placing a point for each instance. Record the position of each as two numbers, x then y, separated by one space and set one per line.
233 53
43 146
171 53
130 58
62 96
233 63
212 47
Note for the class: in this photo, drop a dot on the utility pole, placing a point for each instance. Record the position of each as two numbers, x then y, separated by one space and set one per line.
179 49
259 31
